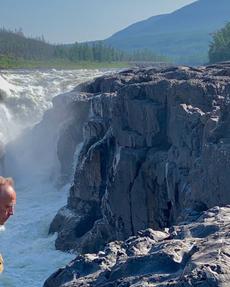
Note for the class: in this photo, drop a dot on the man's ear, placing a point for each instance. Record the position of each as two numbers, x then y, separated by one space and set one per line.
2 180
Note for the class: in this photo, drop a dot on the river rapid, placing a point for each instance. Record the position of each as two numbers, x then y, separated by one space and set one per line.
28 251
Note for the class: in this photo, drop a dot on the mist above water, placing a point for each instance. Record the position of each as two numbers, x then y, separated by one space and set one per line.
29 253
26 94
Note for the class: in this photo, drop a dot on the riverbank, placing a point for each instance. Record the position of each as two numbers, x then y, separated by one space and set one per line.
11 63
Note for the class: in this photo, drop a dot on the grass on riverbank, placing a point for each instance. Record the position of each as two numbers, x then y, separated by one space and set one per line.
13 63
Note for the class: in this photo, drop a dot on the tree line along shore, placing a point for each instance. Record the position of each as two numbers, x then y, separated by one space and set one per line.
18 51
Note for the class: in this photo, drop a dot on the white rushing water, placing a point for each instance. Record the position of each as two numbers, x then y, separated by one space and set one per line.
27 94
29 253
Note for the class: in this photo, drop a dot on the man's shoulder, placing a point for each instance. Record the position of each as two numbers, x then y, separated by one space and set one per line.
1 264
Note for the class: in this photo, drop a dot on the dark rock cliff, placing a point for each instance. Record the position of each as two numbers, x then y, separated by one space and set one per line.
156 151
193 254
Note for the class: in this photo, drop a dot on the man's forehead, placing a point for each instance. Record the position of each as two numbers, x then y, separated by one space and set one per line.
7 192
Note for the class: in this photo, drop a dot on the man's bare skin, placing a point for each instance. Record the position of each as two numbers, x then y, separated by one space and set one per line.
1 264
7 203
7 199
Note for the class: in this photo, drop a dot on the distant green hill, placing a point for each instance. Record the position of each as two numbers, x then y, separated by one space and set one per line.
183 35
15 44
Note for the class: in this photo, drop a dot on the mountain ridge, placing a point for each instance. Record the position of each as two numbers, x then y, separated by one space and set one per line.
184 33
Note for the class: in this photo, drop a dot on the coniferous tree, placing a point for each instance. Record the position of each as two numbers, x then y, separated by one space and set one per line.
220 47
16 45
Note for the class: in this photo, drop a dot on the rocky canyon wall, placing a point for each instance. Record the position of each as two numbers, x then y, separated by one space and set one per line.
155 151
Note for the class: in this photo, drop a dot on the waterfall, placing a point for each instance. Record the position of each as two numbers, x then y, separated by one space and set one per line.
29 253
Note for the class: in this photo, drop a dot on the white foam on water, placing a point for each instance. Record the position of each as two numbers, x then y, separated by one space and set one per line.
28 251
27 94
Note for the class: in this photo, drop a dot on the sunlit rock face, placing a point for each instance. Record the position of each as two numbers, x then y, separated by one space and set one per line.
195 253
156 151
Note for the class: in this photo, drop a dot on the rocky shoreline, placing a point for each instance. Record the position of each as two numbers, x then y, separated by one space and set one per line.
155 153
193 254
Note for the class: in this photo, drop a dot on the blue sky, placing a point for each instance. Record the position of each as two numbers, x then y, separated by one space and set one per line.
68 21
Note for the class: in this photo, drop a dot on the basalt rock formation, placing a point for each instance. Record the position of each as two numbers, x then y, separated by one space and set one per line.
193 254
155 152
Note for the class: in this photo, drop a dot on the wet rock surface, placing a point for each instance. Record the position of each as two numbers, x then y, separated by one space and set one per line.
192 254
155 152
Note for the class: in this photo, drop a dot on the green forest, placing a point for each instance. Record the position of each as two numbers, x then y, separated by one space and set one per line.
220 46
16 50
19 51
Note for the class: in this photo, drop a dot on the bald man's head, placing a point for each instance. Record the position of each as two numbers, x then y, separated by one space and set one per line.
7 199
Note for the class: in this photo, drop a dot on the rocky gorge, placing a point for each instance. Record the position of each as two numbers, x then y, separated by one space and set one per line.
151 179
